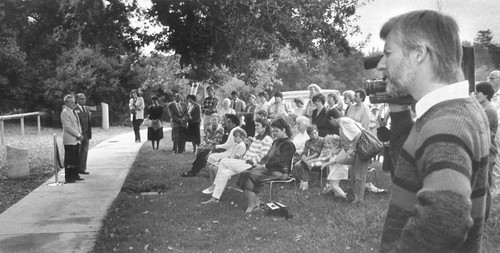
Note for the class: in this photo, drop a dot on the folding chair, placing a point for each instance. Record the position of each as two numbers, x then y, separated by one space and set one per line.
289 179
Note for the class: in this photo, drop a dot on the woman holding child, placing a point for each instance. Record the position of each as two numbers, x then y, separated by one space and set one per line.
229 167
273 166
350 132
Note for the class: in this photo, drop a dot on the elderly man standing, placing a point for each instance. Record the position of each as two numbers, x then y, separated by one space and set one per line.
72 136
84 116
440 182
494 80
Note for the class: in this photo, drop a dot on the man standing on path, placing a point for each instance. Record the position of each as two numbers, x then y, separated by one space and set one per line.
439 186
84 116
178 114
71 140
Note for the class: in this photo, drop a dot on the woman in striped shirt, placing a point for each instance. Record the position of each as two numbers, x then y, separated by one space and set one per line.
229 167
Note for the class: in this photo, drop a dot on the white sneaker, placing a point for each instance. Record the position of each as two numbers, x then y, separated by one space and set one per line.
304 186
209 190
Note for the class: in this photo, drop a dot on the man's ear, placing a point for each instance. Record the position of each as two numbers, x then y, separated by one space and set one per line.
419 53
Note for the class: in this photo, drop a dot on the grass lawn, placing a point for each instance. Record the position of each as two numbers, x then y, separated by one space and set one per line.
174 220
41 154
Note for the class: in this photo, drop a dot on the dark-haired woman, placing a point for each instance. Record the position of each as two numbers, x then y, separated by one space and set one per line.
136 106
194 121
155 132
274 166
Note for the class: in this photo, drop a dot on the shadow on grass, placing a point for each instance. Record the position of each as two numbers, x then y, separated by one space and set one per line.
173 219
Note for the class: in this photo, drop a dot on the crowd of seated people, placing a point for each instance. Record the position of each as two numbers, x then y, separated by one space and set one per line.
323 138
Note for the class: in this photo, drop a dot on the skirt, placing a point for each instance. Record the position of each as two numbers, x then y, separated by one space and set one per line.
193 133
155 135
253 180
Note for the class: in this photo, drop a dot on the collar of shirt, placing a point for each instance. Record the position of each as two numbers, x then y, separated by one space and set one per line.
448 92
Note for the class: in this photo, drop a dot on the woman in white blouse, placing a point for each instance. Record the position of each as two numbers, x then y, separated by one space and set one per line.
136 106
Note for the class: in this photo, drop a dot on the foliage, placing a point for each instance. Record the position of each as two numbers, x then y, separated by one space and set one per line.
487 54
234 33
37 39
297 70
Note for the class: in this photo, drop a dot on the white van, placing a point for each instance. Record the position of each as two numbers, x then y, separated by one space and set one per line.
289 96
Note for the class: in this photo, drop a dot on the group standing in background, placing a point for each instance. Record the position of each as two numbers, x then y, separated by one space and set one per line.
84 116
71 119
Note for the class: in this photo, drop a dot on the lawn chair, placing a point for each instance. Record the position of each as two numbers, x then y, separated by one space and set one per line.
57 164
289 179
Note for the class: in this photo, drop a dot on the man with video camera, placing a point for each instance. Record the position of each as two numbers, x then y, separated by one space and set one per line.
439 185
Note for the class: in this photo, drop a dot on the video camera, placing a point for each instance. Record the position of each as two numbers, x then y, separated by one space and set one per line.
376 88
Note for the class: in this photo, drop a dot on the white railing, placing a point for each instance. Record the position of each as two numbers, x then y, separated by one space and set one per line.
21 117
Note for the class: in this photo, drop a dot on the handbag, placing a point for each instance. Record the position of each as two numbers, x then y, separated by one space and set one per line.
368 145
147 122
156 124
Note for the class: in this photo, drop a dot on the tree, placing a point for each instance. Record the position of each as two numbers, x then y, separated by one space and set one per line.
208 33
486 53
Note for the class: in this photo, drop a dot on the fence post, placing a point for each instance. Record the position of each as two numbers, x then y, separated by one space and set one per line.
22 126
38 124
105 116
2 131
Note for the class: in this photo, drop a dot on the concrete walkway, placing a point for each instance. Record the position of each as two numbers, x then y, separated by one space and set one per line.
67 218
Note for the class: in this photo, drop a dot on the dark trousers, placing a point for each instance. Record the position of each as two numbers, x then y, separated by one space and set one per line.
201 159
71 161
84 150
179 138
136 123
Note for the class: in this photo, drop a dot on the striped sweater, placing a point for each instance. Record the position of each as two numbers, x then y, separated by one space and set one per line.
439 186
258 149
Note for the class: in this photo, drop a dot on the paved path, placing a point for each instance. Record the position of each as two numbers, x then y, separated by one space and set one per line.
67 218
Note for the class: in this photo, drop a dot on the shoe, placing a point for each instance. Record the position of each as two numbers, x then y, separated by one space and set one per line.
327 189
210 201
209 190
188 174
79 179
304 186
69 181
84 173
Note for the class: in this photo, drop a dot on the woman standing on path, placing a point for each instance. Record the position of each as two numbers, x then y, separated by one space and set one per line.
136 106
194 121
155 132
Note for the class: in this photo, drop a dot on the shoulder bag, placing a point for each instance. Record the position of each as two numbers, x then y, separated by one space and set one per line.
368 145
